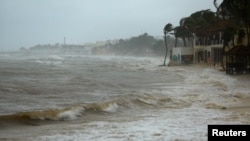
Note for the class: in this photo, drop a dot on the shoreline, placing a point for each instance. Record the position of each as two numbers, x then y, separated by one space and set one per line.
243 106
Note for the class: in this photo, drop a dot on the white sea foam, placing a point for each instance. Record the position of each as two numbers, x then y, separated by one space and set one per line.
209 76
154 126
111 108
71 114
55 57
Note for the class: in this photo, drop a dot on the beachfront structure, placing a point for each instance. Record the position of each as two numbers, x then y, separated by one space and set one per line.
237 58
208 51
182 55
209 54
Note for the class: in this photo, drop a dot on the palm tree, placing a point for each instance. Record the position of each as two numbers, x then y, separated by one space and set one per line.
168 27
237 9
184 33
199 23
177 34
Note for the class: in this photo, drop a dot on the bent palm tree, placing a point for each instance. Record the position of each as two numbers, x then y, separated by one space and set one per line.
167 28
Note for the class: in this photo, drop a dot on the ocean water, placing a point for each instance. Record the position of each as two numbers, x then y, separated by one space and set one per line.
76 97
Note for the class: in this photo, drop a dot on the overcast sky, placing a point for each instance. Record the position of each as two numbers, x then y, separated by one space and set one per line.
25 23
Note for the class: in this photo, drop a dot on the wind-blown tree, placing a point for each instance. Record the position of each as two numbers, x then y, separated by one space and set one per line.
194 25
199 23
177 34
168 27
184 33
241 36
238 10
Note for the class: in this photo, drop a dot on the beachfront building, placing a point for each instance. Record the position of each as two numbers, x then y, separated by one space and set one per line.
182 55
237 58
208 50
221 38
205 31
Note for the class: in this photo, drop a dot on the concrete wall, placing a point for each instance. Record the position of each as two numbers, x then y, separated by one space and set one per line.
182 55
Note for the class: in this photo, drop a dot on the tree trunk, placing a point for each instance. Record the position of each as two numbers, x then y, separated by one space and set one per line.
248 36
175 42
225 44
165 39
184 41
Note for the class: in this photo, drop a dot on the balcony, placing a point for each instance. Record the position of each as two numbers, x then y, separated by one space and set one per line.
210 43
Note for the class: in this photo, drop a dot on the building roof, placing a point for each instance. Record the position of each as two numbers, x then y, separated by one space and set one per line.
239 50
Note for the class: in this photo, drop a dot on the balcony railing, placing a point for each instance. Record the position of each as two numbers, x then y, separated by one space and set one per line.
214 43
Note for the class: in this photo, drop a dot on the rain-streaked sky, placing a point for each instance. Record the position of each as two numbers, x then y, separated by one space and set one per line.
25 23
